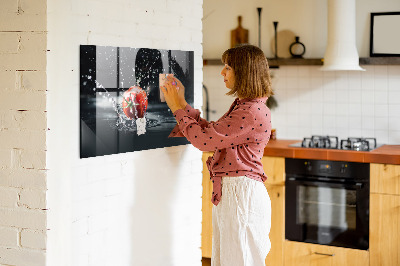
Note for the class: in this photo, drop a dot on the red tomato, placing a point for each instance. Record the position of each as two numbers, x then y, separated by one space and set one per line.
134 102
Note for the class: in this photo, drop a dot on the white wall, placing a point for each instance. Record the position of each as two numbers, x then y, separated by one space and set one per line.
306 19
311 102
140 208
343 104
23 133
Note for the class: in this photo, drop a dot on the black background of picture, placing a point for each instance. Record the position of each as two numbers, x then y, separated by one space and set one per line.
105 73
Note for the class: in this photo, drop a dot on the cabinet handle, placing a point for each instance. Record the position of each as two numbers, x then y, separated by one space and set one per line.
324 254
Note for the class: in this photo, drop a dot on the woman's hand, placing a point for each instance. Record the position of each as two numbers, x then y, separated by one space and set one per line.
181 89
173 95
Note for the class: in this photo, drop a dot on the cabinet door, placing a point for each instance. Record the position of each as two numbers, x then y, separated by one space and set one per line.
304 254
384 230
277 233
206 226
385 178
274 168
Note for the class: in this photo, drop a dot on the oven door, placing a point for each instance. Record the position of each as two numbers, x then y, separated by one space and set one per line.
327 213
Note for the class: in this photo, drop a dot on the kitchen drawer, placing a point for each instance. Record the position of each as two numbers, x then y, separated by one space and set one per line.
305 254
274 168
385 178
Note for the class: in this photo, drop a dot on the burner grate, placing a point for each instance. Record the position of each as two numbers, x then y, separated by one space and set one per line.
358 144
332 142
327 142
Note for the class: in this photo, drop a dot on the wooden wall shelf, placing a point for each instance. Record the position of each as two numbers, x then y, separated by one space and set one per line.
273 63
380 61
295 62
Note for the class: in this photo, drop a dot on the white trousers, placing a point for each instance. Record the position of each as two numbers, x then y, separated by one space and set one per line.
241 223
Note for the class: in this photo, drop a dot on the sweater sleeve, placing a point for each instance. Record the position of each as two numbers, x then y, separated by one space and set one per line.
229 131
193 113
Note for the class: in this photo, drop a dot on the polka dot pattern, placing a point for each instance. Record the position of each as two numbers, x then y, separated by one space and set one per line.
238 139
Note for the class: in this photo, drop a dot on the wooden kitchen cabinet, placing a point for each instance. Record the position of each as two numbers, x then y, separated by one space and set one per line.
305 254
384 236
385 215
206 225
385 178
274 168
277 233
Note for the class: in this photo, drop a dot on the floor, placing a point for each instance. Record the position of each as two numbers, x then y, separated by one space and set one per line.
206 261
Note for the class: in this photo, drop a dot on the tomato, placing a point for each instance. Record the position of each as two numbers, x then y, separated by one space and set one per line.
134 102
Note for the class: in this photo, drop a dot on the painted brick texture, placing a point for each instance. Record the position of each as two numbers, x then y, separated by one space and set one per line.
95 204
139 208
9 237
33 239
23 125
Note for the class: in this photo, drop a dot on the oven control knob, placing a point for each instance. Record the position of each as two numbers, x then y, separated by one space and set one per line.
308 166
343 168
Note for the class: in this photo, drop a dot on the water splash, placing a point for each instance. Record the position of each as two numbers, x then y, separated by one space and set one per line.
123 123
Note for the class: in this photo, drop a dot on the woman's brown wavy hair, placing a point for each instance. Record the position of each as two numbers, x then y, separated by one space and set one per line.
250 66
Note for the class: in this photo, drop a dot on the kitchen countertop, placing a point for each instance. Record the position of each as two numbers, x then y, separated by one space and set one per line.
389 154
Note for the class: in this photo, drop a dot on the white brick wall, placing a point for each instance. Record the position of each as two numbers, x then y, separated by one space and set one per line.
140 208
24 256
9 237
33 239
23 132
113 210
9 197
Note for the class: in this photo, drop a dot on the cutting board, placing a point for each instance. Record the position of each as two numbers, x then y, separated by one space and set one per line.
239 35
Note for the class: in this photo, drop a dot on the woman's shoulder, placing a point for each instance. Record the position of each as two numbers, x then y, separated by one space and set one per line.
259 109
256 104
255 109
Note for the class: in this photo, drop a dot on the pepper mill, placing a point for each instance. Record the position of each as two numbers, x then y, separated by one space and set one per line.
276 38
259 26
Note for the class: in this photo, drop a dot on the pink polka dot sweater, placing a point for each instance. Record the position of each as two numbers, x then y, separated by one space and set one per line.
238 139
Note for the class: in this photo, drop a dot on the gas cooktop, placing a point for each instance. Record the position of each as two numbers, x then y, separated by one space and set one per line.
332 142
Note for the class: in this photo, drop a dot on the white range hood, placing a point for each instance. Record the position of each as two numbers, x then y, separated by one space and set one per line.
341 51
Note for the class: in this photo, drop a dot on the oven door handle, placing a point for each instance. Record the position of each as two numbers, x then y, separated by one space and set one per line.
357 185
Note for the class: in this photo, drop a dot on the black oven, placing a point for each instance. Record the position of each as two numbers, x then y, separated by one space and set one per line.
327 202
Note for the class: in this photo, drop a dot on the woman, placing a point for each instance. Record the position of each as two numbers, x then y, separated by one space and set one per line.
242 208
